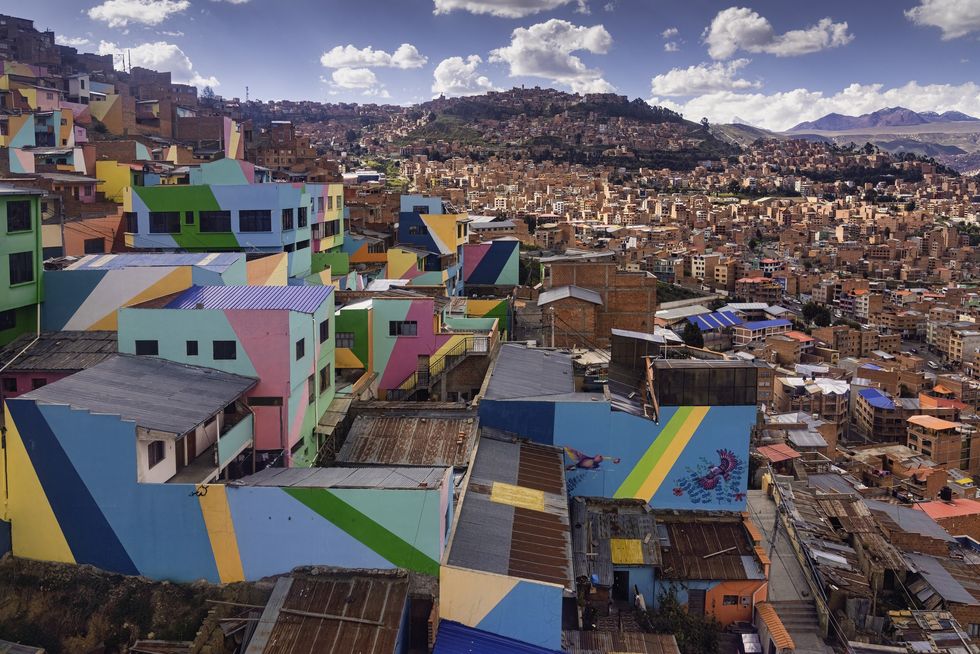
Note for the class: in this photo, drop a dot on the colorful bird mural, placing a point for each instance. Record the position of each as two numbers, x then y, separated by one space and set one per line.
721 480
583 461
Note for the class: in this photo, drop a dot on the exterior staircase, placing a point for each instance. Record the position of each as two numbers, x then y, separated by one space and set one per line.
425 378
798 616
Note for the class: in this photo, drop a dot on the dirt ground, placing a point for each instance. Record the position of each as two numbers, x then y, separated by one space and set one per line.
81 610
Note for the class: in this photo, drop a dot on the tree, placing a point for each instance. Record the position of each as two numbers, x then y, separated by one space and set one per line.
817 313
207 95
704 123
695 634
692 335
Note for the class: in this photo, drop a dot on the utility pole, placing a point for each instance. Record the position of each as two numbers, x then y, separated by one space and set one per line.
552 310
246 94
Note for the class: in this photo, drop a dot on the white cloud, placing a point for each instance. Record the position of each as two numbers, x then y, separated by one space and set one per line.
72 41
358 79
506 8
349 56
545 50
160 56
955 18
120 13
671 46
740 28
670 32
233 2
703 78
783 110
457 76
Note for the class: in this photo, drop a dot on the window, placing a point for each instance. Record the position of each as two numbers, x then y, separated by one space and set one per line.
21 268
188 217
324 378
215 221
9 384
18 216
155 453
287 219
224 350
403 328
289 247
94 246
8 319
302 245
729 600
265 401
192 348
147 348
300 348
319 204
345 339
38 382
325 330
329 202
340 201
415 230
301 221
255 220
377 248
164 222
420 209
132 224
311 389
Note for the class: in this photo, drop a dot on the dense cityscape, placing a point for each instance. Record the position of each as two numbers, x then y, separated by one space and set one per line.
529 370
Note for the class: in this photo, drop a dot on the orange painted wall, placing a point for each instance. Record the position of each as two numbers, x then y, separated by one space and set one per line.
714 600
109 228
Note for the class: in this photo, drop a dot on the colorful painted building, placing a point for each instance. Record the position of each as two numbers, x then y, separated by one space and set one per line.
281 336
413 346
430 225
21 267
297 219
88 294
73 495
508 566
688 450
492 263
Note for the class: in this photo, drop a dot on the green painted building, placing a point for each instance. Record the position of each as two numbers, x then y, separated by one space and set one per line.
20 261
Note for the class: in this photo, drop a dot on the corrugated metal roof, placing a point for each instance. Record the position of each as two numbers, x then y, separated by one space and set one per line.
430 438
304 299
375 604
563 292
717 320
59 351
598 522
154 393
908 519
941 580
390 477
603 642
213 261
498 531
522 372
766 324
876 398
707 548
455 638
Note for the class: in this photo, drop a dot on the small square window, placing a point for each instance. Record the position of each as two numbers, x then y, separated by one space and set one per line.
156 452
9 384
188 217
18 216
38 382
345 339
147 348
192 348
224 350
300 348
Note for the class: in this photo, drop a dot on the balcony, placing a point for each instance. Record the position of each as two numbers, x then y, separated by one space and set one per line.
236 435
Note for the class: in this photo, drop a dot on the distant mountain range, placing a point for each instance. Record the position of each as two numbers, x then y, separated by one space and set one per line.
889 117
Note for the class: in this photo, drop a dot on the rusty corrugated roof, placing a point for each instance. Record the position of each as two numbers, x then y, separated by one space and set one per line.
777 631
427 438
373 604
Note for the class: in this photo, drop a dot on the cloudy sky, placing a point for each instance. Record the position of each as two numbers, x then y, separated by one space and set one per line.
772 63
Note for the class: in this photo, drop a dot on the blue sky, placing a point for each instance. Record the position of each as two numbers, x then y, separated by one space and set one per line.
770 63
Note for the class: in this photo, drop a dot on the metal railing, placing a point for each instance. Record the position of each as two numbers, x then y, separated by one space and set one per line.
423 378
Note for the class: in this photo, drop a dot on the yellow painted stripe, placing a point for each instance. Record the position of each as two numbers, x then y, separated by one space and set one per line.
651 484
524 498
221 531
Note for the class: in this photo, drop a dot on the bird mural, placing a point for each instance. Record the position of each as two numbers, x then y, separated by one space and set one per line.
582 461
714 482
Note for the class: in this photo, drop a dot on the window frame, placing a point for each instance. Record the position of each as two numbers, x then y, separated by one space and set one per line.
206 217
223 356
191 348
324 330
169 216
29 270
250 219
397 328
154 457
146 344
300 348
30 217
340 338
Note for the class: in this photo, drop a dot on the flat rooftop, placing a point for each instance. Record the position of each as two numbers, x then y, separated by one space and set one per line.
154 393
420 437
217 261
523 372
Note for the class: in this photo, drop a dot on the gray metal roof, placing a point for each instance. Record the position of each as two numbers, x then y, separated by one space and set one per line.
520 372
595 522
563 292
154 393
910 520
7 189
58 351
503 534
400 477
940 579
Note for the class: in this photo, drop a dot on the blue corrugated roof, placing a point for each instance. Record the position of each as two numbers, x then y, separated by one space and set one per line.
876 398
766 324
871 366
717 320
213 261
455 638
305 299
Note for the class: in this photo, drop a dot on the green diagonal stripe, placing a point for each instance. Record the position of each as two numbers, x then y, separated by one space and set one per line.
364 529
645 465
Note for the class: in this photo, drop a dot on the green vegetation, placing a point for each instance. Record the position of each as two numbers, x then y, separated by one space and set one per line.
817 314
695 634
692 335
445 128
672 293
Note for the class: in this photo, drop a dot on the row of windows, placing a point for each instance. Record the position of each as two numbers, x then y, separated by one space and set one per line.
249 220
220 350
10 384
